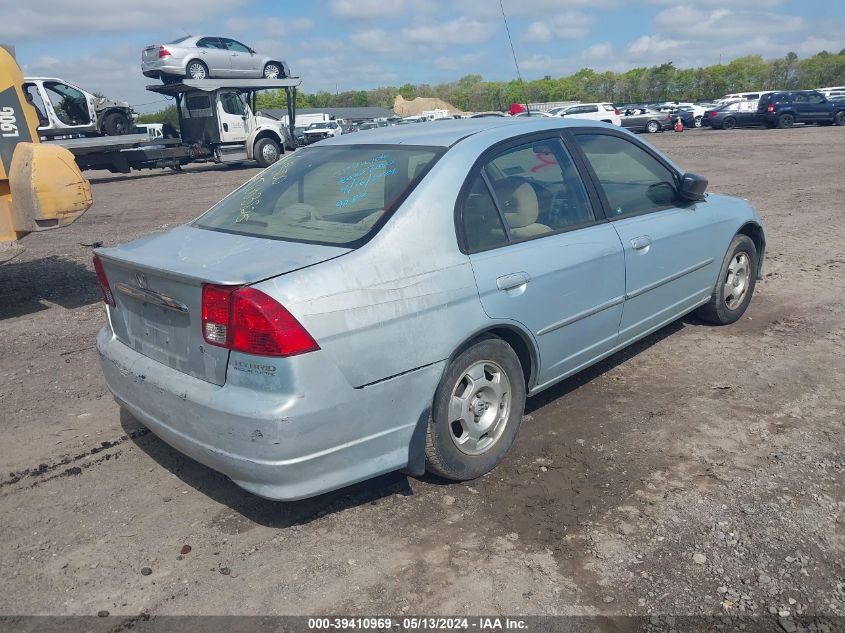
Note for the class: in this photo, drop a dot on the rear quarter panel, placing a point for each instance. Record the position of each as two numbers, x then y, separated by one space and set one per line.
404 300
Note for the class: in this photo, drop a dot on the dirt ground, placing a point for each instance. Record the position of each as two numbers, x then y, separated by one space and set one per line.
699 472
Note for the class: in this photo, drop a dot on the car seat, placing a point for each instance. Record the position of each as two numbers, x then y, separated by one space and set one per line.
520 206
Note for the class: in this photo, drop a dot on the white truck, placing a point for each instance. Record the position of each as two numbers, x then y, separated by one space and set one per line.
217 117
67 110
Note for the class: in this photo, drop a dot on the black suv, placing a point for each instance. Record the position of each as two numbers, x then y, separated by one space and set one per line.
783 109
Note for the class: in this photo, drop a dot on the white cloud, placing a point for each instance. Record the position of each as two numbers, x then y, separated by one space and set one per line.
269 26
688 22
374 41
598 52
569 25
40 19
650 45
367 9
462 30
461 62
533 8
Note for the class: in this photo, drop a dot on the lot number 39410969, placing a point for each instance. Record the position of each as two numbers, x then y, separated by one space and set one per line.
8 123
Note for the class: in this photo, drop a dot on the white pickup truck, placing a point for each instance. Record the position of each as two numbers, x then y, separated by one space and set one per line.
323 129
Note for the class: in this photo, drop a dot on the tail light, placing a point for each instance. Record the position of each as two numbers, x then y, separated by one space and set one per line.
108 297
771 108
163 52
712 114
246 320
616 112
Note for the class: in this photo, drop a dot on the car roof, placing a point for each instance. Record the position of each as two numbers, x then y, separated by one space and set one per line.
447 133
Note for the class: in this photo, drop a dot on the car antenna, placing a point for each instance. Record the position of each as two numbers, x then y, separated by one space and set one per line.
513 52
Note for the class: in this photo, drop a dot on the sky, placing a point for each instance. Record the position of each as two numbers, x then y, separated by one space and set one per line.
339 45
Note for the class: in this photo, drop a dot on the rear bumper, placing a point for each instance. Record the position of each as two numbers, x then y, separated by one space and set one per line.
157 68
313 434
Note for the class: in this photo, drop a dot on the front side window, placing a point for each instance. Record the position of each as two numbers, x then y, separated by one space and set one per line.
324 195
237 47
633 180
233 103
68 103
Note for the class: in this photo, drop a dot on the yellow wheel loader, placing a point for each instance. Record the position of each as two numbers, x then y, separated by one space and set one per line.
41 186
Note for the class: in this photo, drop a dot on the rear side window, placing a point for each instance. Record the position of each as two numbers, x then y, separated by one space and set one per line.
534 188
633 180
324 195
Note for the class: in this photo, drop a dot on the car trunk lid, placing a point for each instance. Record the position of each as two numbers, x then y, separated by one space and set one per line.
157 286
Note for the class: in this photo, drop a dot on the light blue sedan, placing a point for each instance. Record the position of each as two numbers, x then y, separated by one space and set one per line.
388 299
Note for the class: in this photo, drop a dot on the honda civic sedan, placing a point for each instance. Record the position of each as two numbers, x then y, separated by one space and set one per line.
364 307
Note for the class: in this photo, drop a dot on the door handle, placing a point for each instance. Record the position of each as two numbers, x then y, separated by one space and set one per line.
225 127
514 280
641 242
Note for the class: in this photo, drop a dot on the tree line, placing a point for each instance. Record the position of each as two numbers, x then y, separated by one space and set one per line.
663 82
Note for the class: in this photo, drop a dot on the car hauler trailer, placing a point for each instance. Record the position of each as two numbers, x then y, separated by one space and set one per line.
217 123
217 118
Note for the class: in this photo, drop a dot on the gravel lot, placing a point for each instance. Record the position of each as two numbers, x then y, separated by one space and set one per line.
699 472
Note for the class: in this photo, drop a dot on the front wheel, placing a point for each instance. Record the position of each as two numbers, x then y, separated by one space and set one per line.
735 285
266 152
839 119
115 124
698 121
477 411
272 70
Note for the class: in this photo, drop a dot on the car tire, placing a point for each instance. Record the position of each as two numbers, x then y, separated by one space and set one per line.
196 70
484 390
698 121
116 123
272 70
839 118
786 121
652 127
735 285
729 123
266 151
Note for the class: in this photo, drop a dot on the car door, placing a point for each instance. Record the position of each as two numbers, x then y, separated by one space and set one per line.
820 109
241 59
232 114
668 242
213 53
542 253
70 109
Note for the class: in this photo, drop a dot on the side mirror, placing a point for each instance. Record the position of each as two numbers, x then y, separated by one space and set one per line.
693 186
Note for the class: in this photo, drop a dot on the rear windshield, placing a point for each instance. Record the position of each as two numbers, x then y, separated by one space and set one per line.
325 195
180 40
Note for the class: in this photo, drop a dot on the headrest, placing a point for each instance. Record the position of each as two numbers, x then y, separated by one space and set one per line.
519 202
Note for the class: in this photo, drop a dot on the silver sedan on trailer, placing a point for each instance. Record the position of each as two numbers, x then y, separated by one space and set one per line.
206 57
371 304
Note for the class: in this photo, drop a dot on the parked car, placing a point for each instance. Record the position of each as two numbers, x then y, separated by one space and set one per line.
732 115
740 96
322 129
645 120
687 117
784 109
359 308
205 57
606 112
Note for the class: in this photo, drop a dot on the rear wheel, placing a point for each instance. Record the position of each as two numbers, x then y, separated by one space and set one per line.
272 70
477 411
729 123
266 151
698 121
196 70
735 285
652 127
839 119
115 124
786 121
